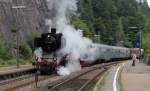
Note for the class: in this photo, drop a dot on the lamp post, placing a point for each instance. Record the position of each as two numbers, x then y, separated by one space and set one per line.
17 35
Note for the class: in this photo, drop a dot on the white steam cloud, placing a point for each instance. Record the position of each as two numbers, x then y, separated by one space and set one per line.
75 45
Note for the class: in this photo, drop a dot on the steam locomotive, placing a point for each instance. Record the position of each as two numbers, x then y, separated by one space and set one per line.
45 48
49 43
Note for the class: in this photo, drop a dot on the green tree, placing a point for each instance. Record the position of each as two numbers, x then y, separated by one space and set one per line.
81 24
86 12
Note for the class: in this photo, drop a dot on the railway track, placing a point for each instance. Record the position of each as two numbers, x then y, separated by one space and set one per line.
23 82
4 82
14 73
84 81
78 81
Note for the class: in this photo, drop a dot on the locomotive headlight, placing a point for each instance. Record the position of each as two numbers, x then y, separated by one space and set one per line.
55 59
48 36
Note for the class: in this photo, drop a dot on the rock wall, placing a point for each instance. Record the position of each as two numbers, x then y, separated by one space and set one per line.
29 20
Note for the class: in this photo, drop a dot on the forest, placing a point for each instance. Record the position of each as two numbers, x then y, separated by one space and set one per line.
118 22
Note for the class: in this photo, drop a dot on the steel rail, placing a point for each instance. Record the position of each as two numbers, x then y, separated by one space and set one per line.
90 80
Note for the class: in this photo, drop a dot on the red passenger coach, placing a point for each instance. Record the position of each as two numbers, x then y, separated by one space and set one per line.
135 51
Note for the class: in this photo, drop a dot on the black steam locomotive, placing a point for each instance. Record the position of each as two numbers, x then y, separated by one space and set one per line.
49 43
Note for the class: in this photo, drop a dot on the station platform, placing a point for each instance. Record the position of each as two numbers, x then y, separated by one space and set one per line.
125 77
135 78
110 80
4 70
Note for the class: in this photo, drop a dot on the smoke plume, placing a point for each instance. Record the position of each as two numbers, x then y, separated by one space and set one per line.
74 44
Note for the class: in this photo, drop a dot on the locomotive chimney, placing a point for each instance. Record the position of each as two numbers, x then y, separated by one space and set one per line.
53 30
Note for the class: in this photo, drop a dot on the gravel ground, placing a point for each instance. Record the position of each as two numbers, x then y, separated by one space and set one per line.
41 86
29 84
77 83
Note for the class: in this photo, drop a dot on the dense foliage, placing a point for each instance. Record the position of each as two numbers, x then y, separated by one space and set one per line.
112 19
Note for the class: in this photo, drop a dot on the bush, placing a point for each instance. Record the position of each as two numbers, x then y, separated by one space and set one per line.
1 63
30 39
11 62
25 52
4 63
147 59
22 61
4 51
146 46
